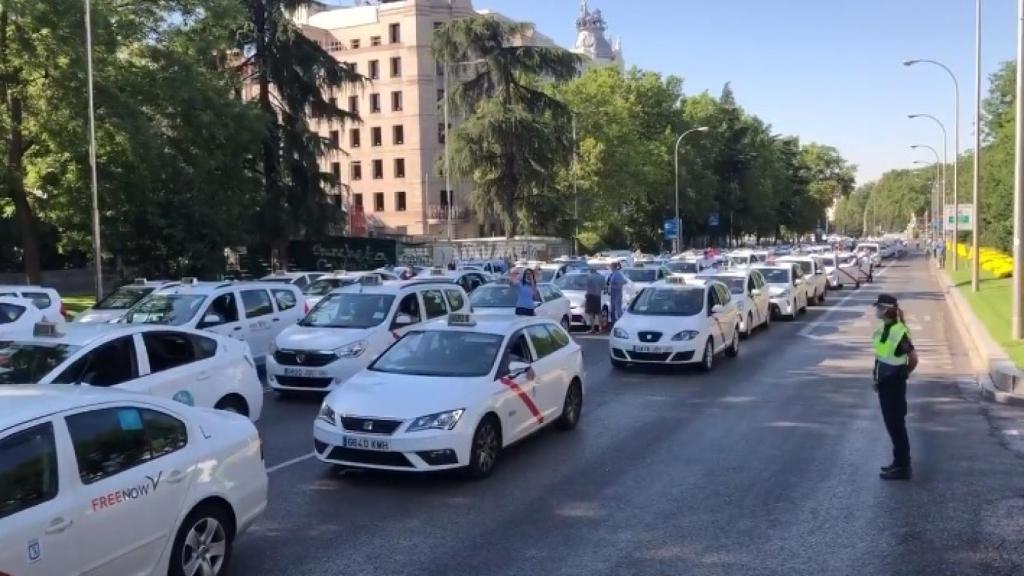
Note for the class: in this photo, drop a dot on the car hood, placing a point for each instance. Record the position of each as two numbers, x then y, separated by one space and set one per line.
371 393
667 325
576 297
308 338
96 316
776 289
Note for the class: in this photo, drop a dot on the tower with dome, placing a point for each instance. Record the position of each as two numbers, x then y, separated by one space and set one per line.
592 41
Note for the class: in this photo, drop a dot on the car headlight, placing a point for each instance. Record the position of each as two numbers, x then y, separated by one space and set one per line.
352 350
327 414
685 335
440 421
620 333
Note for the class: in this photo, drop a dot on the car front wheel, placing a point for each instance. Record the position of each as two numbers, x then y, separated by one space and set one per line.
485 449
572 407
708 360
203 544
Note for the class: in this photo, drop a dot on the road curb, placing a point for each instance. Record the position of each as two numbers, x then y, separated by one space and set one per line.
998 378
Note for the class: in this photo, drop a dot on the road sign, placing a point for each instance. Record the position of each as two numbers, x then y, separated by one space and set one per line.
713 219
966 215
671 229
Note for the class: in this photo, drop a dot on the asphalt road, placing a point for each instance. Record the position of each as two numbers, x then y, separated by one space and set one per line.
769 465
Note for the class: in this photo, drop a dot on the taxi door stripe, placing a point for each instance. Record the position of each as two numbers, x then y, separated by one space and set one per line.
511 384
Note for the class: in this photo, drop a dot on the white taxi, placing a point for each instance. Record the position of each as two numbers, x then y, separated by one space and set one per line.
351 326
327 283
689 268
114 305
750 293
253 312
839 271
453 395
106 482
640 277
47 300
813 275
574 287
677 323
298 279
192 367
786 288
18 316
500 298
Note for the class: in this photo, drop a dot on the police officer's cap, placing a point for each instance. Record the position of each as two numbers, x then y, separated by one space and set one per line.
886 301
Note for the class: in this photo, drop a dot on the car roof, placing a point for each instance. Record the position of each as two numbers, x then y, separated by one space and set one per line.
206 288
85 333
491 324
396 286
729 272
19 287
26 402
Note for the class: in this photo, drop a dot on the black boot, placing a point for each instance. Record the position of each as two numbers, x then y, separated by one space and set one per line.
897 473
889 467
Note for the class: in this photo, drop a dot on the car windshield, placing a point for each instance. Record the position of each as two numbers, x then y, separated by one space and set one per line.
277 279
683 267
668 302
576 282
123 298
775 275
444 353
807 267
29 362
736 284
827 261
349 310
494 296
325 285
641 275
546 274
170 309
739 260
868 249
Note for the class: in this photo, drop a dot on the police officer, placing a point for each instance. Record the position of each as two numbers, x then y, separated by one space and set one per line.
895 359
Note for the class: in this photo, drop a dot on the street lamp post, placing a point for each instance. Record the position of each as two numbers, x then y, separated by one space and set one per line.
935 194
1017 320
945 161
96 251
956 148
976 177
678 239
575 193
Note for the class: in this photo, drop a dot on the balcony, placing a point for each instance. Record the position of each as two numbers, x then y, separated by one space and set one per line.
439 213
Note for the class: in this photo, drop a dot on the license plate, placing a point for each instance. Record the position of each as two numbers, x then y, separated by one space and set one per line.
360 443
650 349
305 372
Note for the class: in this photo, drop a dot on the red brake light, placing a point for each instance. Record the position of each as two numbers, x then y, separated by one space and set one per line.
305 307
63 311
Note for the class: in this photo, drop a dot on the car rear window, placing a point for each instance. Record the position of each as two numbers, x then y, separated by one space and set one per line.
40 299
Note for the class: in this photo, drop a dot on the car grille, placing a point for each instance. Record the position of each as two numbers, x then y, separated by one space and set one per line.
300 382
369 425
649 336
298 358
618 353
396 459
649 356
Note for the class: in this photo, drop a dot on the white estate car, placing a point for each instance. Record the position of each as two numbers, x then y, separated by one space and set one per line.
786 288
192 367
750 294
454 394
500 298
870 250
113 306
113 483
677 323
688 268
351 326
813 275
551 272
327 283
840 271
45 299
469 280
18 316
298 279
574 287
641 277
254 312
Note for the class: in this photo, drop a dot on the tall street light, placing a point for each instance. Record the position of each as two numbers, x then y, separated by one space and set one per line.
956 147
976 177
945 161
96 252
679 232
1016 318
935 188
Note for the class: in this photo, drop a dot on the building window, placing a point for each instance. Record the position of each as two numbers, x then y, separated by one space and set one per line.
440 68
353 138
374 103
354 43
440 133
398 134
437 26
378 169
374 40
402 230
376 137
353 104
353 67
374 69
399 201
356 170
396 101
440 94
336 170
395 33
332 102
396 67
334 138
399 167
357 199
378 201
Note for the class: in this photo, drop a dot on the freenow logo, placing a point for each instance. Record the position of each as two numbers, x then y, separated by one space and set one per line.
127 494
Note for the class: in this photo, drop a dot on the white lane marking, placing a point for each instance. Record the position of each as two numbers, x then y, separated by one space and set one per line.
826 317
288 463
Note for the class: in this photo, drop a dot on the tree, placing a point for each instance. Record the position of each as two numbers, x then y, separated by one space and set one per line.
514 134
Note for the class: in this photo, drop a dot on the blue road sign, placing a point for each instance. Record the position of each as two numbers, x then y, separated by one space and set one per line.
713 219
671 229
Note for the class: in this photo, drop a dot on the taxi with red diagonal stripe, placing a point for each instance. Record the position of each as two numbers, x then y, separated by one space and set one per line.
453 394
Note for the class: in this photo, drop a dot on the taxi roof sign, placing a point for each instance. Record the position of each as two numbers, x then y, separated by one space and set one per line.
676 280
461 319
371 280
437 271
190 280
139 281
47 330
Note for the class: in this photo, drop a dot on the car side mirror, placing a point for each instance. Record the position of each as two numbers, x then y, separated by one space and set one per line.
517 369
755 292
798 282
717 308
403 320
212 320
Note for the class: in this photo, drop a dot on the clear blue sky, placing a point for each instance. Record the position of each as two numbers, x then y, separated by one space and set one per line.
825 70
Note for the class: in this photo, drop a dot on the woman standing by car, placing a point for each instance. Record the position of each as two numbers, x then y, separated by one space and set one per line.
526 293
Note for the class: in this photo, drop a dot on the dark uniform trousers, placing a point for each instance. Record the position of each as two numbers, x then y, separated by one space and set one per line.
892 395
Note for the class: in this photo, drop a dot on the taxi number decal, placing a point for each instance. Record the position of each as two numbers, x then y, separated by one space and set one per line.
524 397
127 494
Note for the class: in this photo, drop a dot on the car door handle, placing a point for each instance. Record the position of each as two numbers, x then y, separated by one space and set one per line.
58 525
175 476
277 319
202 376
237 328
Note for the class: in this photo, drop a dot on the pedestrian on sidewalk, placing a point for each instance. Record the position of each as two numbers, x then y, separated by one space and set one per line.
895 360
942 254
616 282
592 303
